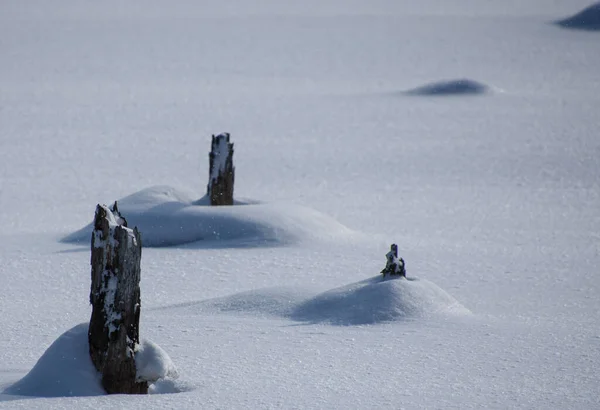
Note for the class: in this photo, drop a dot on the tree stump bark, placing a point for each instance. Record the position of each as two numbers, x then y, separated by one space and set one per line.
115 297
221 172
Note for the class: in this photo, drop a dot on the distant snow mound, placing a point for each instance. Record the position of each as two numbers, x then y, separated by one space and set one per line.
450 87
65 369
587 19
378 300
168 217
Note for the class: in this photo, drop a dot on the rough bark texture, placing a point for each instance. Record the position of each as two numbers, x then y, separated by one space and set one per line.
221 172
115 297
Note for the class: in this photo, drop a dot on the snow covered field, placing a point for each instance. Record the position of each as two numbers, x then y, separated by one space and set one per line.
465 131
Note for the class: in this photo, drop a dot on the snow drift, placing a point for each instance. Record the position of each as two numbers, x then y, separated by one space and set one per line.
65 369
167 217
587 19
450 87
377 300
370 301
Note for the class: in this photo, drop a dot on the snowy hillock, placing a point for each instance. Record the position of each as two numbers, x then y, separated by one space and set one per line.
377 300
587 19
166 216
370 301
450 87
65 369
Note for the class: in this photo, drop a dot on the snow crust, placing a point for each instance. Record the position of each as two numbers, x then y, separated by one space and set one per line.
166 216
586 19
66 369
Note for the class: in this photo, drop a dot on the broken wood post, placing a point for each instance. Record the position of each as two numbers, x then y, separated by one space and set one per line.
115 297
221 171
394 266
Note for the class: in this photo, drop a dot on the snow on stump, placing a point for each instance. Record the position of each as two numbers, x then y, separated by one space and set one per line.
394 266
113 333
221 172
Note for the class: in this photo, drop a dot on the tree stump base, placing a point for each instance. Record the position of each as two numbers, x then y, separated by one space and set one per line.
115 297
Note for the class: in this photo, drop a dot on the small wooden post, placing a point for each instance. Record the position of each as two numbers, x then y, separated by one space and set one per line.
221 172
115 297
394 265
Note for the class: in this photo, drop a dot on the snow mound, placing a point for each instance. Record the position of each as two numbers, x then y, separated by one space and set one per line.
450 87
587 19
377 300
168 217
65 369
370 301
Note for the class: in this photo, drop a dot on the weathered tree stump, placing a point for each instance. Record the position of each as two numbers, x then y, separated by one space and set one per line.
221 172
394 265
115 297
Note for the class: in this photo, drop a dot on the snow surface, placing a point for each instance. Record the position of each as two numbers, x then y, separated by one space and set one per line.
492 199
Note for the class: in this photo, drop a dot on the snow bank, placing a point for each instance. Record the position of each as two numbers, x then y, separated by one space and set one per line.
65 369
587 19
450 87
167 217
378 300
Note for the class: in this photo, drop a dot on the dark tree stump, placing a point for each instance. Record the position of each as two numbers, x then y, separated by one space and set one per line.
115 297
221 172
394 265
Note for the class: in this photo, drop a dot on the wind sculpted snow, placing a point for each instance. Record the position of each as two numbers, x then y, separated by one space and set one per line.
166 216
371 301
